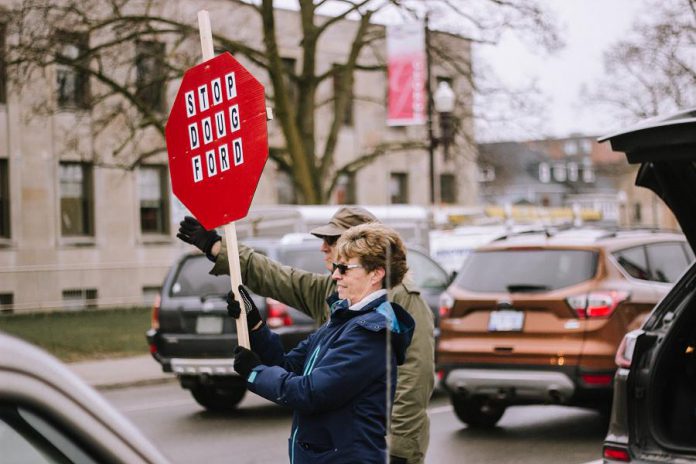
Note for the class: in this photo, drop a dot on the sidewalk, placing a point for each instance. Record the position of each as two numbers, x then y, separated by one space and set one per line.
120 373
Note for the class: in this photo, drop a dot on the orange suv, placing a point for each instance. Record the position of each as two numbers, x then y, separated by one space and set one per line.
537 317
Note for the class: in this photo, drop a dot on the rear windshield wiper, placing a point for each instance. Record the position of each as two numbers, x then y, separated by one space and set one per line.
523 288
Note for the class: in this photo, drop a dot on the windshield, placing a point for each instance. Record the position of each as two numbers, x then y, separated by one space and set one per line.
525 270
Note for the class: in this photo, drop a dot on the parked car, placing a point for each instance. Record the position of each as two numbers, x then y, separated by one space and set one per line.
537 317
192 336
653 416
48 414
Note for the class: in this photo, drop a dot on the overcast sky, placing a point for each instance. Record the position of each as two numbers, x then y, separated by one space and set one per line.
587 27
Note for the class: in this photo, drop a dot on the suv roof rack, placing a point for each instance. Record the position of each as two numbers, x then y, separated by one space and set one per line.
549 231
613 232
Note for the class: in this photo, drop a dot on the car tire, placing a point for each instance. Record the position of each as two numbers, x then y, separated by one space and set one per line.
218 399
478 411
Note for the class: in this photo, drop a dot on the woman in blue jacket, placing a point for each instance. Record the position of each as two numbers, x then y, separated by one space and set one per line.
336 380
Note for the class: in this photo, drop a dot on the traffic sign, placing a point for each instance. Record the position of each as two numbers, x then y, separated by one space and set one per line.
217 140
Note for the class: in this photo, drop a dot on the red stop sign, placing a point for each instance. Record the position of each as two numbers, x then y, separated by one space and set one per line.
217 140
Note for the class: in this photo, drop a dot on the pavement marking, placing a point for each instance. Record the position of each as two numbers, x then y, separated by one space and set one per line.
163 404
598 461
440 409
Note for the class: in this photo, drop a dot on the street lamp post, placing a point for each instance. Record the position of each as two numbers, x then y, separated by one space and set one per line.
443 102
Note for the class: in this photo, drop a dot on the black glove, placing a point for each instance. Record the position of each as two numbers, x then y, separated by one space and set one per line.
253 316
191 231
245 360
397 460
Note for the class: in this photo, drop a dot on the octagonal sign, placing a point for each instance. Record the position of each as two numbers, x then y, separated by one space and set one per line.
217 140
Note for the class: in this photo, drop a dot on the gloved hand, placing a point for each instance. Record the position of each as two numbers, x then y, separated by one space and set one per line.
191 231
245 360
397 460
253 317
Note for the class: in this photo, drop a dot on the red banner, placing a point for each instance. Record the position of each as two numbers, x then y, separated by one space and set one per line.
407 75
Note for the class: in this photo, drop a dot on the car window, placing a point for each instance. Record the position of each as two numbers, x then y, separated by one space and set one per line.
27 437
193 279
634 262
526 270
667 261
426 273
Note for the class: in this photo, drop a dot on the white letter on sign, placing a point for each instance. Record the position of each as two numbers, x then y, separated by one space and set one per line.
234 118
190 104
224 158
231 86
207 130
203 101
217 91
197 169
220 124
210 161
238 154
193 136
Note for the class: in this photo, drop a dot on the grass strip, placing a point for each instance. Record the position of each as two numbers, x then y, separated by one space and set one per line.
86 334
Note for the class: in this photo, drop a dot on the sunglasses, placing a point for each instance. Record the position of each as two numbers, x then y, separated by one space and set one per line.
331 240
343 268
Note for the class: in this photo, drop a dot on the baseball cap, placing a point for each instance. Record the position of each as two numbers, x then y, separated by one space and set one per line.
345 218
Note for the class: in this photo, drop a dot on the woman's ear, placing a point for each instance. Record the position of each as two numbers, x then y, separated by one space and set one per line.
378 275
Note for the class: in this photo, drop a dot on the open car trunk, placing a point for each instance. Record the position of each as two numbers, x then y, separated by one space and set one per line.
662 382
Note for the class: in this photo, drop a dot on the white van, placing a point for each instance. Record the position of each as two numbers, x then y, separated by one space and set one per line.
412 222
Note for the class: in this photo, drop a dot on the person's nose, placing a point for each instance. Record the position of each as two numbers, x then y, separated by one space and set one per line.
336 275
324 247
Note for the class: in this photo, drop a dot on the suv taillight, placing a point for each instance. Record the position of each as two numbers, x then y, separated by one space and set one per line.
596 304
446 304
154 317
277 314
624 355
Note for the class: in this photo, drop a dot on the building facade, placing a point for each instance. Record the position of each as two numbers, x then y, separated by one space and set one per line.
77 232
575 170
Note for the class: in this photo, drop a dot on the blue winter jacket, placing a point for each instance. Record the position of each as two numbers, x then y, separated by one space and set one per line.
336 381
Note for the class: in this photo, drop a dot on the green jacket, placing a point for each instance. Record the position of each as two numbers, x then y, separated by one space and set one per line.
306 291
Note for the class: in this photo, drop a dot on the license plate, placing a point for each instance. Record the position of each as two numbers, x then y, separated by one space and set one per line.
208 325
506 321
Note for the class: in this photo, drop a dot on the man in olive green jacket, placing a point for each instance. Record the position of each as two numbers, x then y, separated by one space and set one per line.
306 291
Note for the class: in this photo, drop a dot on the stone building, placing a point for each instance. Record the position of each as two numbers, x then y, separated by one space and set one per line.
75 232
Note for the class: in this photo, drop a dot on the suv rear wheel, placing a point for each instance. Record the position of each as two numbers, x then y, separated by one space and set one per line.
477 411
215 398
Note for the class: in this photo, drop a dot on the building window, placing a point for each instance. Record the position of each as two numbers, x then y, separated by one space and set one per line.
570 148
448 188
290 83
345 190
588 174
347 118
152 183
80 298
72 81
285 189
398 187
4 199
6 302
573 171
3 64
586 146
637 213
150 74
559 172
544 173
75 199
